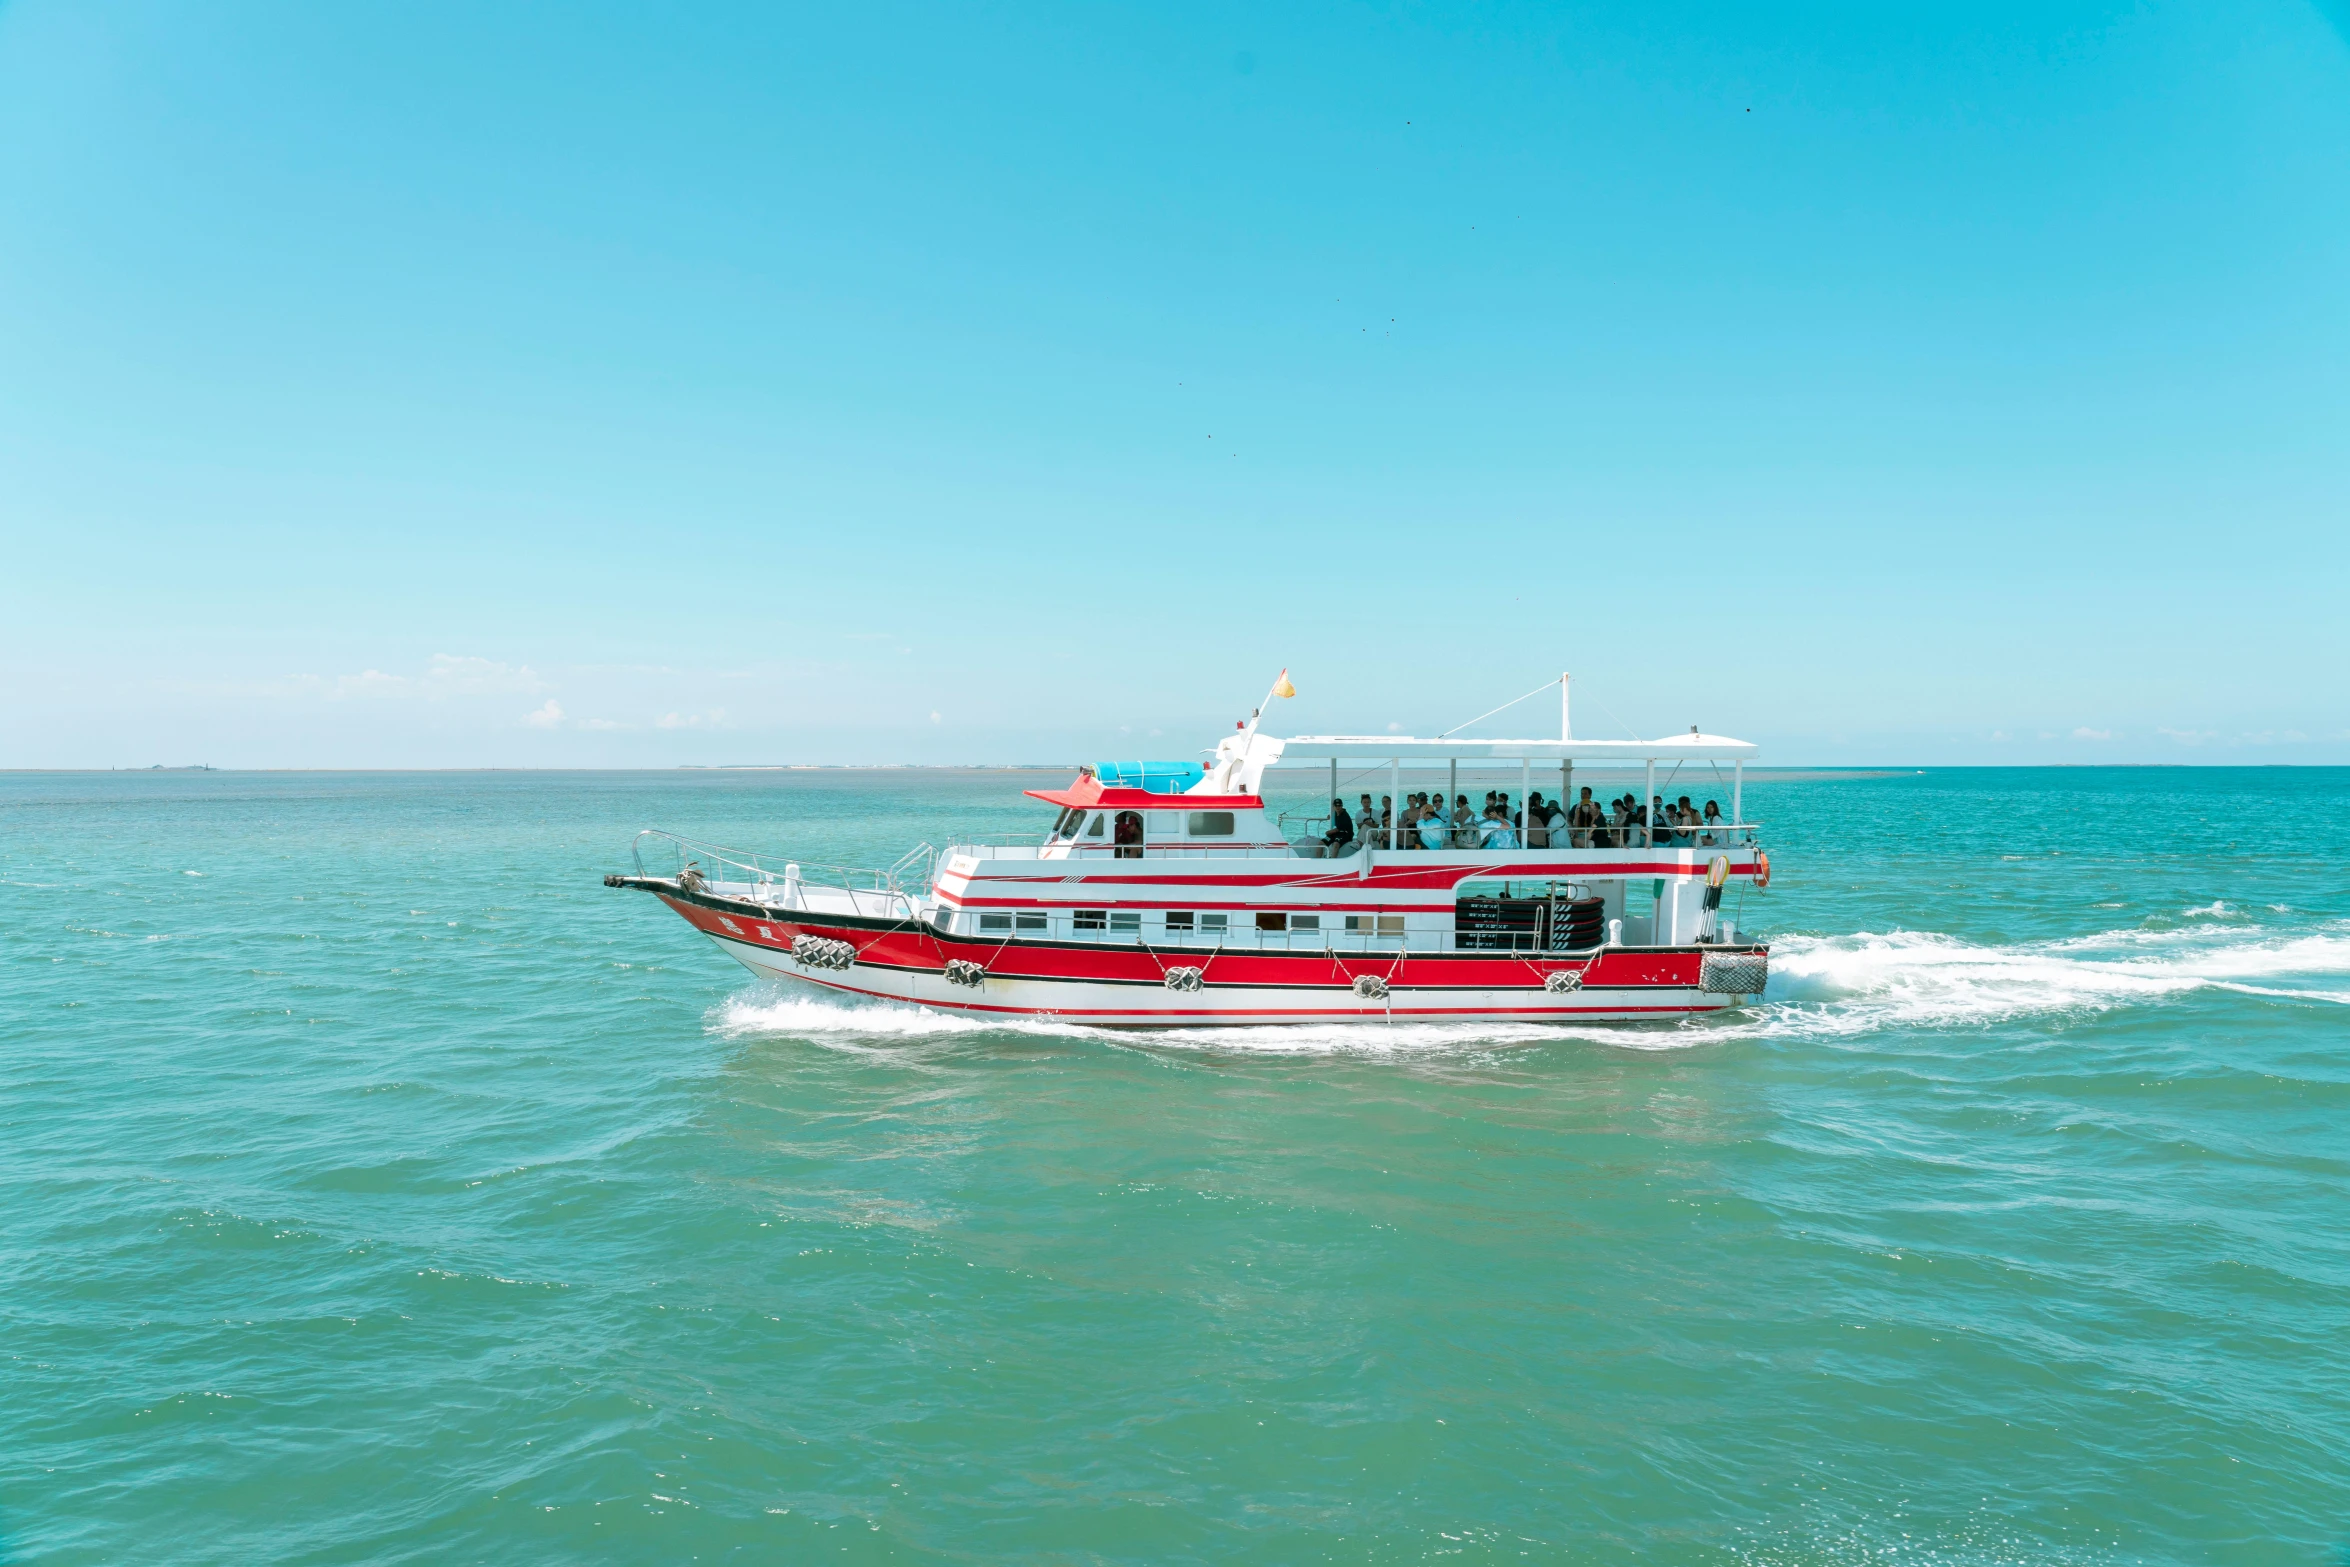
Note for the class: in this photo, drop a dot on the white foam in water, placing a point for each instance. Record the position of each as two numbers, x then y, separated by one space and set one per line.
1849 984
1821 986
846 1023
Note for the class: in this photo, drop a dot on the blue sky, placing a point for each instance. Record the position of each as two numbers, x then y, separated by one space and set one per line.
582 385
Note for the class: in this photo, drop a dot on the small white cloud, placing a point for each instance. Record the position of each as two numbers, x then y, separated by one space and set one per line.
446 676
548 717
1395 729
677 721
457 676
373 682
934 718
2190 736
602 723
2086 733
1998 734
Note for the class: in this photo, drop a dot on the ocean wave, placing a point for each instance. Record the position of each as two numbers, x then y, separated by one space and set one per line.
1857 983
852 1024
1820 986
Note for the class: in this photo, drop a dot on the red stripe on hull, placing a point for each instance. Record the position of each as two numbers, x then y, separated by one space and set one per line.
1354 1014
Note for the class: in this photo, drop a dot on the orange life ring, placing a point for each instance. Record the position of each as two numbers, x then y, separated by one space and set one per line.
1762 869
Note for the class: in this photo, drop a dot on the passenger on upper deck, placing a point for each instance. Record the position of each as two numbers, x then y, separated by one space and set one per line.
1535 828
1464 823
1586 815
1340 837
1434 829
1496 834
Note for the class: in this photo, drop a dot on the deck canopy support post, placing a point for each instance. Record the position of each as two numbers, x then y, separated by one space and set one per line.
1525 798
1334 779
1648 802
1395 804
1452 784
1738 792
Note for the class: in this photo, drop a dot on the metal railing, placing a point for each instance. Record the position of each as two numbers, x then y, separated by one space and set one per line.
1305 833
783 883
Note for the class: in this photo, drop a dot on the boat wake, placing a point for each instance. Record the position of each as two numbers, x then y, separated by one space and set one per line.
1821 987
1920 979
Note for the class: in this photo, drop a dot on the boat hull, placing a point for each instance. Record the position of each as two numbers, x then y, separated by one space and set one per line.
1137 986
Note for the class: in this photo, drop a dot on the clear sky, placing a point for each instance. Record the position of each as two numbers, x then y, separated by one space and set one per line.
439 384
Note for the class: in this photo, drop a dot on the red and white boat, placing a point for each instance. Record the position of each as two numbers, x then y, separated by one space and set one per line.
1169 895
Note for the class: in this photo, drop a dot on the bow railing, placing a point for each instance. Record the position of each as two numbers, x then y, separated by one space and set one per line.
894 892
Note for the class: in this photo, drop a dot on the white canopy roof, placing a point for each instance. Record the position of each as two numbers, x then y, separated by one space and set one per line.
1379 748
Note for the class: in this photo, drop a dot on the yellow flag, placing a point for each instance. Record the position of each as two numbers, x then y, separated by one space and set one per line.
1282 687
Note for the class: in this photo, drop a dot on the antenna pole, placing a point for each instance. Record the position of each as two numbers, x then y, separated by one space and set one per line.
1566 719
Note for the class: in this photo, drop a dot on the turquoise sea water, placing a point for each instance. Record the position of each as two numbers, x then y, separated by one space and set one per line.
375 1186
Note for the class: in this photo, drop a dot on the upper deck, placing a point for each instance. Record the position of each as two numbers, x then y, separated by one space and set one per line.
1183 811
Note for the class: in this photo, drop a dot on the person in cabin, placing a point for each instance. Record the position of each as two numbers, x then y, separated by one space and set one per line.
1126 834
1340 838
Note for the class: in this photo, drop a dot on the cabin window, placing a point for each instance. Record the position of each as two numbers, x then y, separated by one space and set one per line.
1090 919
1093 829
1272 922
1213 922
1390 924
1125 919
1031 921
1305 922
1179 919
995 922
1071 820
1128 835
1209 824
1375 924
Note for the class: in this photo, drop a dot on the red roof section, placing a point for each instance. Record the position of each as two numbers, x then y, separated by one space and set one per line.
1088 792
